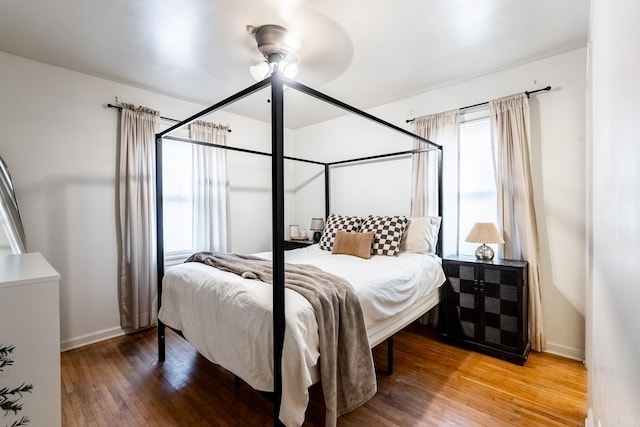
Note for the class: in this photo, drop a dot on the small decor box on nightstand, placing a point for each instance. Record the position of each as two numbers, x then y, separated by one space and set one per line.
484 306
295 244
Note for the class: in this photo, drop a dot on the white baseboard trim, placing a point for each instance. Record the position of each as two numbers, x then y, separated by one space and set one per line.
91 338
565 351
588 422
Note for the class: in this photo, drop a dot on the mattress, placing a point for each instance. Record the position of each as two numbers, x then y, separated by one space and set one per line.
228 319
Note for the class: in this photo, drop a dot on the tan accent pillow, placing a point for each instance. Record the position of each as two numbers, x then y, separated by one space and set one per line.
356 244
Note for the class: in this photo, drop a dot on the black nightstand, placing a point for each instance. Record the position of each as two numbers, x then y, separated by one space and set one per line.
295 244
484 306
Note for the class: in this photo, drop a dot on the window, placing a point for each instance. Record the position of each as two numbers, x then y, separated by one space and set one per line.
177 198
477 184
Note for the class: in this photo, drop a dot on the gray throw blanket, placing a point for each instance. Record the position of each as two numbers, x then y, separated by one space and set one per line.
346 366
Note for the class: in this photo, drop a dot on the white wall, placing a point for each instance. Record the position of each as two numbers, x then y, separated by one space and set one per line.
59 142
558 164
355 189
613 333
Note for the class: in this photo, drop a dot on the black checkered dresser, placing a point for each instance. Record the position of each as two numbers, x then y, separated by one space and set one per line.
484 306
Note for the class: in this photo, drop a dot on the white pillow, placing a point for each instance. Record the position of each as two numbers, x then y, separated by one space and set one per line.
421 235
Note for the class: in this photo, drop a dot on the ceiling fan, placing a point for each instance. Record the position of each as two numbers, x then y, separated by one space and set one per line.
275 44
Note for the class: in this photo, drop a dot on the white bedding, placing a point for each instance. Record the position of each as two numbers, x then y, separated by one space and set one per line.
229 320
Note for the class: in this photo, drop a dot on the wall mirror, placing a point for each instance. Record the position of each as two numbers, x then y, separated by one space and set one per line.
12 239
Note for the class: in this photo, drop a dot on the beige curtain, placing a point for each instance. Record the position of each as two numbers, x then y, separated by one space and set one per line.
443 129
210 189
137 219
516 214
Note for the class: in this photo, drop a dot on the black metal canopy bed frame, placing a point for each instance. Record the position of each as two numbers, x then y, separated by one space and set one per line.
277 83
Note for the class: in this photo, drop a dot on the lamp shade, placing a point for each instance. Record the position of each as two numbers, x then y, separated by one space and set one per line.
484 232
317 224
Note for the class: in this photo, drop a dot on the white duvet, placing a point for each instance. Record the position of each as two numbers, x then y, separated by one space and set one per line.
229 320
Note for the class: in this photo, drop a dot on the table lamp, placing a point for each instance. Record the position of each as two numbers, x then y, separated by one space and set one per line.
317 225
484 232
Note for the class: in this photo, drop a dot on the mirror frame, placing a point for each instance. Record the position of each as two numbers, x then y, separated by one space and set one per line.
10 213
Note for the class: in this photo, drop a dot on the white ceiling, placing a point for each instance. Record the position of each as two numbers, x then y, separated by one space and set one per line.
363 52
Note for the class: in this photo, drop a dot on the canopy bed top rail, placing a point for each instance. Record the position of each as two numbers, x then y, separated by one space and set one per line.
242 150
381 156
333 101
233 98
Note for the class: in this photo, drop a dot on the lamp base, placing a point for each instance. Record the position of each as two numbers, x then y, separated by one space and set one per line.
316 236
484 253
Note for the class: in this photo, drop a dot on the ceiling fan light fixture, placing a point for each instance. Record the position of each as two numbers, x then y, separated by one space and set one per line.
272 41
260 71
288 69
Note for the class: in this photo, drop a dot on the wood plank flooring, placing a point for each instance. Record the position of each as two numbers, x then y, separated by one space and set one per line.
119 382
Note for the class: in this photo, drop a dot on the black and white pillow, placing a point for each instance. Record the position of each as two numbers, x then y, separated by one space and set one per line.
335 223
387 233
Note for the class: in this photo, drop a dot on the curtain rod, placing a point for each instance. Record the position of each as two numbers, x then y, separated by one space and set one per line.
526 92
119 108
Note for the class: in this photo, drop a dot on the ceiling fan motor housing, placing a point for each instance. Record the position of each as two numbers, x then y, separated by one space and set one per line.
272 42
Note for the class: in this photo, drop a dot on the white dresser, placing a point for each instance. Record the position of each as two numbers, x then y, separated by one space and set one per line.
30 321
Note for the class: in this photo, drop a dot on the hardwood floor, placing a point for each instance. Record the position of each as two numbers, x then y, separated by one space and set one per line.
120 383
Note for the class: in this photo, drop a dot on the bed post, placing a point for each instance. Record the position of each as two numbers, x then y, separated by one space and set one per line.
326 191
159 245
390 355
439 245
277 186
